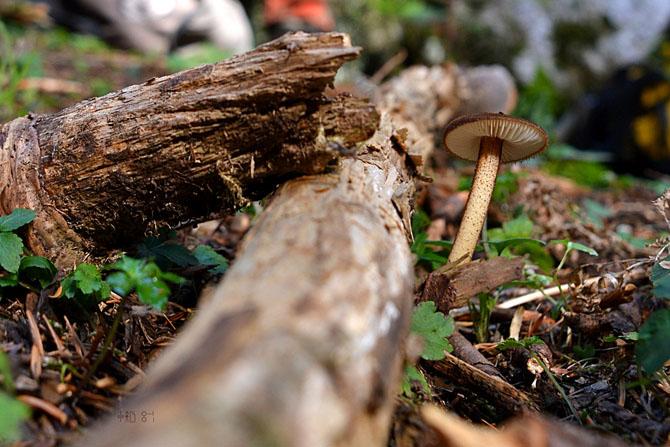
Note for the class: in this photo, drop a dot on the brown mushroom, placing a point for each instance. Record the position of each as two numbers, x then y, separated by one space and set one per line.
489 139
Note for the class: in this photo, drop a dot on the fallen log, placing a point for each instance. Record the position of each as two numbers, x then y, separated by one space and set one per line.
300 343
178 149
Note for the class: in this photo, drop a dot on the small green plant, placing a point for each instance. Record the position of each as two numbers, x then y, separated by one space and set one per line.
507 184
515 240
12 411
30 272
652 349
434 328
527 344
165 251
204 53
144 277
481 315
14 67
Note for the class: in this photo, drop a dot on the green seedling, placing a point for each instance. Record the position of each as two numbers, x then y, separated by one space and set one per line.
143 277
652 349
12 414
527 343
481 316
434 328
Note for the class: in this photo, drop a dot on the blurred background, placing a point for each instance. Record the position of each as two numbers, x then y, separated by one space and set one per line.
593 74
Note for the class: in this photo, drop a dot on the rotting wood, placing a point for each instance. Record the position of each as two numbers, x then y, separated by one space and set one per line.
301 343
178 149
505 397
464 350
452 287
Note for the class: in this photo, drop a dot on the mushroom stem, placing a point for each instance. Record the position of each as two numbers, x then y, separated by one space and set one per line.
477 205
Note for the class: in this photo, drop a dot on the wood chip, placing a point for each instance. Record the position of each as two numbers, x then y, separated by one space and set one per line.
45 406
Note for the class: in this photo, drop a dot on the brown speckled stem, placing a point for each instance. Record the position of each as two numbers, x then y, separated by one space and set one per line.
477 206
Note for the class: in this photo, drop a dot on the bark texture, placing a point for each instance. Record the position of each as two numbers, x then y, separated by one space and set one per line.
300 344
178 149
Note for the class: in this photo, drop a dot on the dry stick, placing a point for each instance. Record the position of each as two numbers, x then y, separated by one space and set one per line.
108 340
523 299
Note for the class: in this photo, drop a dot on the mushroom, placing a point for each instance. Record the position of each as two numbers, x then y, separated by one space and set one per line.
489 139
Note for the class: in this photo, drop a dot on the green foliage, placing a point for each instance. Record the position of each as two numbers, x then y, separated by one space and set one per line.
85 285
12 414
203 53
11 246
413 378
583 172
482 315
425 254
405 9
572 246
540 102
596 212
526 343
584 352
6 372
513 239
37 269
165 252
507 184
660 278
18 218
145 278
652 349
434 327
14 66
207 256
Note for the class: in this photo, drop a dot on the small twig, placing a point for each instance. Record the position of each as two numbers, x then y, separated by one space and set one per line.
523 299
105 347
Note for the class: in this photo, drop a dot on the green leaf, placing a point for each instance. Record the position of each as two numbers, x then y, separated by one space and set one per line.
9 280
509 343
11 249
88 278
586 352
413 375
434 327
153 291
575 246
178 254
6 372
660 277
17 219
120 283
499 246
207 256
12 414
526 343
653 350
37 269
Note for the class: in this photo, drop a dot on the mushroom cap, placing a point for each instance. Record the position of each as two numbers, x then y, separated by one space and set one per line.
522 139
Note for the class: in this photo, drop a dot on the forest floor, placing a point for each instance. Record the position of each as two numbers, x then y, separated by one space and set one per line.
589 331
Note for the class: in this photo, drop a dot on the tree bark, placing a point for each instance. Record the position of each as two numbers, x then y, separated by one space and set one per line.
178 149
301 343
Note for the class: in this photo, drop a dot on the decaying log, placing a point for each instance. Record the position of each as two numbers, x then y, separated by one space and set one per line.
300 344
178 149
